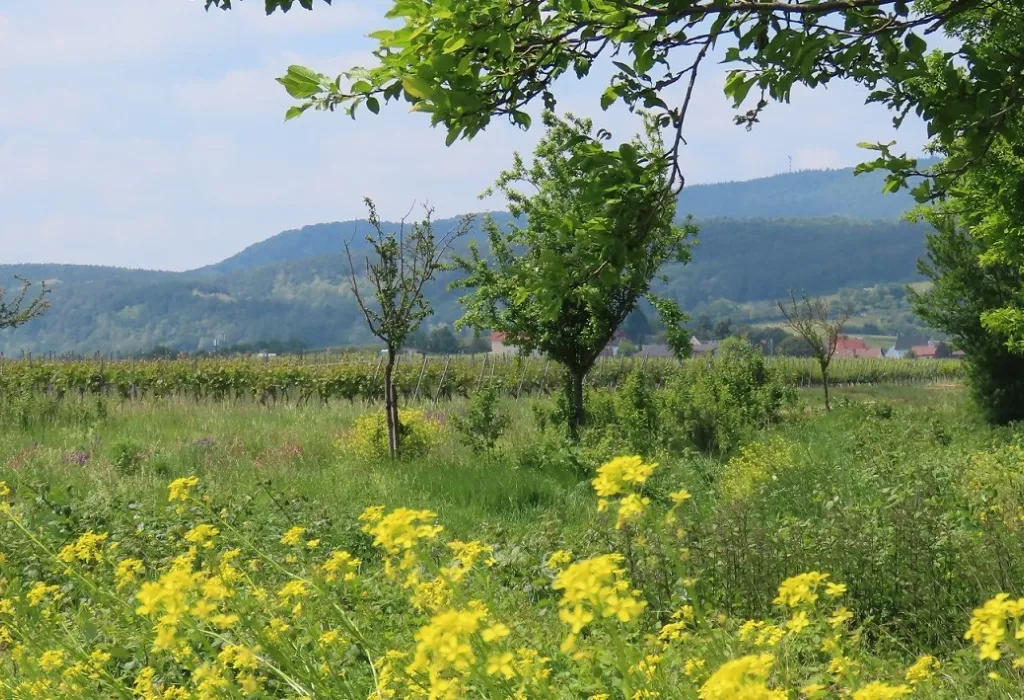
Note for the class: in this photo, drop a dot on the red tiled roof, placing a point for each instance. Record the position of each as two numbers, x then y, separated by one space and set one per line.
925 350
498 336
846 343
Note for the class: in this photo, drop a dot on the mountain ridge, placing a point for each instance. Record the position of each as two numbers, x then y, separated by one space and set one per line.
293 285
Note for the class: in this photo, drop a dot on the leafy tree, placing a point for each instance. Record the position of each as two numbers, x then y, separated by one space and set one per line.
403 263
442 341
16 311
598 228
964 291
627 348
466 63
637 326
792 346
813 321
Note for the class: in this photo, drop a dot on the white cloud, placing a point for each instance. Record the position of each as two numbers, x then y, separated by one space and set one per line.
149 133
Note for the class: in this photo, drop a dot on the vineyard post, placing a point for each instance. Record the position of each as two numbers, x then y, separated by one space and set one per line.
440 383
526 366
373 382
483 366
419 381
544 376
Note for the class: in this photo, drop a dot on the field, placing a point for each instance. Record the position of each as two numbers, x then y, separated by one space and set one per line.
183 547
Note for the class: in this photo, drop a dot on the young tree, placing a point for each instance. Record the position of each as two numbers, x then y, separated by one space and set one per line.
466 63
15 311
963 291
598 227
400 265
814 321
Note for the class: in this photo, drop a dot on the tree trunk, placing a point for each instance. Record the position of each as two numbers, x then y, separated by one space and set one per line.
577 416
391 404
824 382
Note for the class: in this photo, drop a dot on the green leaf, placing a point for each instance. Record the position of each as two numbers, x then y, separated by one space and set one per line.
294 112
737 86
361 87
373 105
609 97
417 87
916 44
453 135
453 44
301 82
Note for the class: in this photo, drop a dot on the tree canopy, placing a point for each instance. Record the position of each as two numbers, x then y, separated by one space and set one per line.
598 227
467 63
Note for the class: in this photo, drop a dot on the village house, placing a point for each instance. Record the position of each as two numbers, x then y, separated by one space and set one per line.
847 346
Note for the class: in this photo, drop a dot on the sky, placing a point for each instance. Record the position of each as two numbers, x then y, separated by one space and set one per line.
151 133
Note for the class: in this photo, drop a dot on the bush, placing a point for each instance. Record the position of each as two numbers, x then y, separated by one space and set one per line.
484 422
127 456
716 403
368 438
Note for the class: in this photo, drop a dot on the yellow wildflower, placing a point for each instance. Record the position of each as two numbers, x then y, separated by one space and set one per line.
798 623
614 476
87 548
51 660
202 534
179 489
800 589
840 617
126 571
881 691
922 669
558 559
745 677
678 497
293 537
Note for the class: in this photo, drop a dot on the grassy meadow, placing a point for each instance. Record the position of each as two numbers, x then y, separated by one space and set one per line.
561 571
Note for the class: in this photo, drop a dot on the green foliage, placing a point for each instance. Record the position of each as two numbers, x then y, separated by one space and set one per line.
127 456
964 291
465 65
716 405
484 422
368 438
598 229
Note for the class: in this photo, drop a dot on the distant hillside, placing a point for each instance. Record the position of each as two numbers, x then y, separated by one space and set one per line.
800 195
112 310
807 193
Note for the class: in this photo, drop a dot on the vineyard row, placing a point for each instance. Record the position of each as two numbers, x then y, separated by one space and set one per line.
430 377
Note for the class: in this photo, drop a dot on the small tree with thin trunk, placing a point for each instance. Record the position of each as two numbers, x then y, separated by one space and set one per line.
598 228
815 322
16 310
398 265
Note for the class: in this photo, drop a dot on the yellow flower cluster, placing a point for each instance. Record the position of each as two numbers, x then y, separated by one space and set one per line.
924 668
617 483
340 564
803 589
181 489
877 690
595 587
989 622
87 548
401 529
744 678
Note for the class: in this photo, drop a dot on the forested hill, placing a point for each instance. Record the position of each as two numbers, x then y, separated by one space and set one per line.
307 298
799 195
806 193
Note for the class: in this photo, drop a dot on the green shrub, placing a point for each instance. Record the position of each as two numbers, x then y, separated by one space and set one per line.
712 406
368 438
127 456
484 422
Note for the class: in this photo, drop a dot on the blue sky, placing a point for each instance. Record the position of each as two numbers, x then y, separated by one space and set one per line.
149 133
